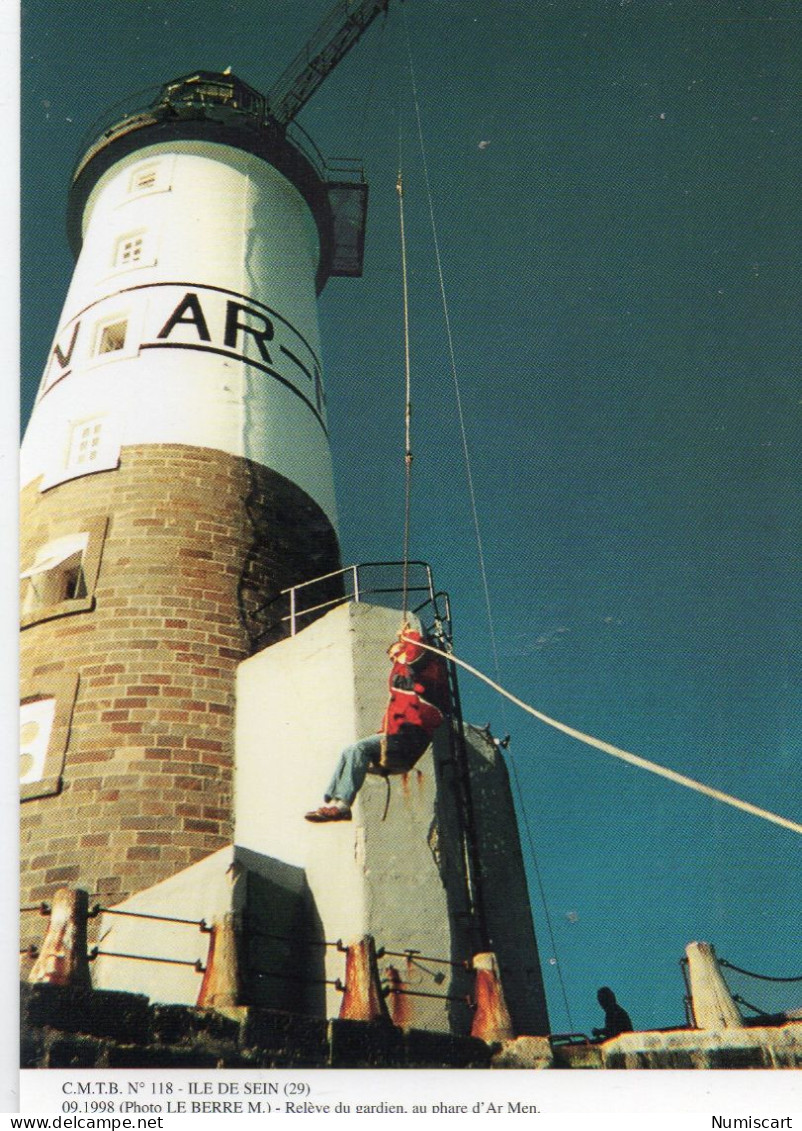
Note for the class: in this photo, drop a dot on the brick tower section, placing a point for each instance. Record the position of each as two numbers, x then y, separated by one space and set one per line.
193 541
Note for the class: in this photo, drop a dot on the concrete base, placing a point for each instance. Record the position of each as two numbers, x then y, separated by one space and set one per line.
397 876
524 1052
66 1028
299 889
267 897
779 1047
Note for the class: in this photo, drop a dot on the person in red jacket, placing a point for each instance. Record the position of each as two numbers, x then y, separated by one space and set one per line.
418 695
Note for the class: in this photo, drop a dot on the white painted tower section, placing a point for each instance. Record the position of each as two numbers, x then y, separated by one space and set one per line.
191 319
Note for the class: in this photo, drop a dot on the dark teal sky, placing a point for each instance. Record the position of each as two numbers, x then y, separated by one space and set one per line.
616 186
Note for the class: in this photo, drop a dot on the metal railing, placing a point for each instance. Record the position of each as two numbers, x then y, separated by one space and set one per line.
389 985
151 106
359 585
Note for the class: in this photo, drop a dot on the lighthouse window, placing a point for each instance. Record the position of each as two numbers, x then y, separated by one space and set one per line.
130 250
116 336
112 337
56 574
90 446
62 576
44 728
151 176
85 447
144 179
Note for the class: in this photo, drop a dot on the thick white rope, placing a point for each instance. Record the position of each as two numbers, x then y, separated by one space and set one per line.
624 755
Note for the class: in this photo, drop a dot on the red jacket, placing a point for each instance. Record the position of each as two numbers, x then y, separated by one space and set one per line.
415 686
410 709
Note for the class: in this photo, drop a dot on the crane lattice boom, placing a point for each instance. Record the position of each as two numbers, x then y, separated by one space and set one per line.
337 34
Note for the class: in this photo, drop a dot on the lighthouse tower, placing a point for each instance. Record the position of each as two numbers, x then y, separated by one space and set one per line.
184 691
176 477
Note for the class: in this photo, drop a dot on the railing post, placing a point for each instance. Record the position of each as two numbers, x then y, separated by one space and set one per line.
491 1021
63 958
355 568
363 999
292 611
399 1005
220 988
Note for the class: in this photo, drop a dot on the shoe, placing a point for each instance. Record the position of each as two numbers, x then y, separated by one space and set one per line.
329 813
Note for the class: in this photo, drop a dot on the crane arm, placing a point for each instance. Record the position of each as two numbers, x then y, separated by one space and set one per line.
337 34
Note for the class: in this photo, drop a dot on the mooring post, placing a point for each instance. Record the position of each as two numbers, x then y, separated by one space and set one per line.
398 1002
491 1021
220 988
363 999
63 959
711 1000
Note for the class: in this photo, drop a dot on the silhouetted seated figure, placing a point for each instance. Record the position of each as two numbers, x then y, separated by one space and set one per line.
616 1018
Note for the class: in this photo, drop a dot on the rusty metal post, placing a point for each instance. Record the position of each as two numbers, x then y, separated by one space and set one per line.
398 1003
63 958
711 1000
491 1021
363 999
220 988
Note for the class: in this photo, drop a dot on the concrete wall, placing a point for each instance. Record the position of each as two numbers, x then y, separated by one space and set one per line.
206 890
266 895
400 879
299 885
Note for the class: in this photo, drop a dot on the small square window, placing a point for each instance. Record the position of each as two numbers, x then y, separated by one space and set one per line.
85 444
112 337
89 446
130 250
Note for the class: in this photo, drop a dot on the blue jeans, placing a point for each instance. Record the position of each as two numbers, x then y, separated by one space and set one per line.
349 776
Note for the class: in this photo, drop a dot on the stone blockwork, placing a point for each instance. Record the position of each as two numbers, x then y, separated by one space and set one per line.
65 1028
78 1028
195 541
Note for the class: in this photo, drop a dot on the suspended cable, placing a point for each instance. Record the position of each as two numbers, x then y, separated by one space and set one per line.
474 509
407 442
450 342
752 974
624 755
755 1008
407 382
